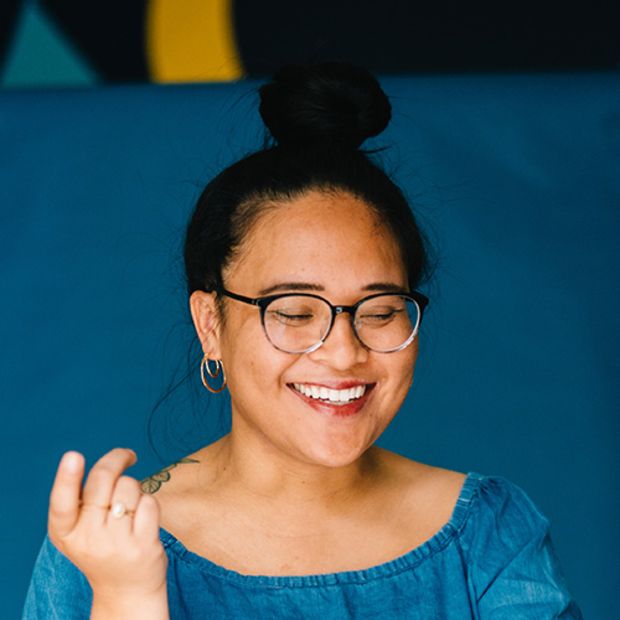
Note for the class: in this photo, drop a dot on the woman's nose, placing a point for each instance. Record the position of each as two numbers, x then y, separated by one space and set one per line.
342 348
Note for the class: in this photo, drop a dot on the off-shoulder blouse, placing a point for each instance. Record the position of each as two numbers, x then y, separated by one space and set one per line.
493 560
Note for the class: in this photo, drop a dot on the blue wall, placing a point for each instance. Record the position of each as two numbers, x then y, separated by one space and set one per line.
517 180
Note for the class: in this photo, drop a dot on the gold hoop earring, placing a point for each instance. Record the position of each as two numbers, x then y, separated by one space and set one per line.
213 373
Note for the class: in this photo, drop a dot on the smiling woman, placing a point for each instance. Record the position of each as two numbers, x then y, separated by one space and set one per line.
288 245
303 262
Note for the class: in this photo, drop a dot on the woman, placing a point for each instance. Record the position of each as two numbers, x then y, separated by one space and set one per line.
302 262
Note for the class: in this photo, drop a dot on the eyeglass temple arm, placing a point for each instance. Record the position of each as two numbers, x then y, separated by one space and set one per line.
242 298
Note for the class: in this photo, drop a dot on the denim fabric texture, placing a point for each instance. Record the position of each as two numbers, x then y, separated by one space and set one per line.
494 560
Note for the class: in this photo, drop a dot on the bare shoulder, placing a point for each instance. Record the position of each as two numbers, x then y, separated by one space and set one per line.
428 492
171 486
442 482
182 487
159 481
186 476
420 473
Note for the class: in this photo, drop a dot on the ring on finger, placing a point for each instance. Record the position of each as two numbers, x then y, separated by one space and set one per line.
118 510
93 505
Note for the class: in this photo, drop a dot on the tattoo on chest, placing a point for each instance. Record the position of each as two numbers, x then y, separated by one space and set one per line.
152 484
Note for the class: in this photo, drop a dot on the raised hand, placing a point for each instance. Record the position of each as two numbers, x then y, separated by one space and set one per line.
110 531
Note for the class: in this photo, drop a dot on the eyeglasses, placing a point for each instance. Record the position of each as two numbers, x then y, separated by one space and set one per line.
301 322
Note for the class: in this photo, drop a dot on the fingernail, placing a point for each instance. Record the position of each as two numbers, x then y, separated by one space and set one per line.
71 461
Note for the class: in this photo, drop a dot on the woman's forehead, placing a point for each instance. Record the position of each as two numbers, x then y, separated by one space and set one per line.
316 216
318 238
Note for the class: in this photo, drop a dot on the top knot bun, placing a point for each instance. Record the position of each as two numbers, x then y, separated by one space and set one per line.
335 102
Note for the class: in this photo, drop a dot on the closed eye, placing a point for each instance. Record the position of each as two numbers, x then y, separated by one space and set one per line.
290 318
378 317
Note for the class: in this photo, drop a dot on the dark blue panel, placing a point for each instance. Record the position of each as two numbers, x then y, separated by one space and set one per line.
518 182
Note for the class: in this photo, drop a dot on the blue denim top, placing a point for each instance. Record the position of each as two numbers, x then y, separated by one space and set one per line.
494 559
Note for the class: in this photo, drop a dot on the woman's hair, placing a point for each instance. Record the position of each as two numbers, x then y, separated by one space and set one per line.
318 116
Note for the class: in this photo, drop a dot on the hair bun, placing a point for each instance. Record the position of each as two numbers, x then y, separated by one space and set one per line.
333 101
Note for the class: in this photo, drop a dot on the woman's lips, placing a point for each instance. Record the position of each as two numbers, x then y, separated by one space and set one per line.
339 410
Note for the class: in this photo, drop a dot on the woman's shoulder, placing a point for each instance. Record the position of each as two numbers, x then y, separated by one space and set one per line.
158 482
422 482
490 518
497 498
184 475
505 540
473 503
495 521
182 486
489 491
423 496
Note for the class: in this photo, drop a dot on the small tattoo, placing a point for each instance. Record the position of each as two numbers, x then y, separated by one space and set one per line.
152 484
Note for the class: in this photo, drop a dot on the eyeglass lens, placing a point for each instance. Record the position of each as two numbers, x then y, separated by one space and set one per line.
296 323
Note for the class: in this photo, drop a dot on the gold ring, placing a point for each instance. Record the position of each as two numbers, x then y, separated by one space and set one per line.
93 505
119 510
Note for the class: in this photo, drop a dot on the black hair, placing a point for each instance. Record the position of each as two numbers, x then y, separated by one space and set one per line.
318 116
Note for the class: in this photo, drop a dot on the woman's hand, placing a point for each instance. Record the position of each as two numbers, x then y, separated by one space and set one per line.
110 531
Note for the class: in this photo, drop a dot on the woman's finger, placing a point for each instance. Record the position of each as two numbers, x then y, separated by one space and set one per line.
146 519
97 494
124 502
64 508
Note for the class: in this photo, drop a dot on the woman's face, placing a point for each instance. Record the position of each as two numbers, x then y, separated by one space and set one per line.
334 246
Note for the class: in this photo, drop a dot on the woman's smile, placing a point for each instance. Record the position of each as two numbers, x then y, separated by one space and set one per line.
337 398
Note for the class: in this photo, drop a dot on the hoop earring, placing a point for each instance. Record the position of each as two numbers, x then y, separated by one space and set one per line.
213 373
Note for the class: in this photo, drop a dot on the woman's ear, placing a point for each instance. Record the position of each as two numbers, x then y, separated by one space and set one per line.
205 315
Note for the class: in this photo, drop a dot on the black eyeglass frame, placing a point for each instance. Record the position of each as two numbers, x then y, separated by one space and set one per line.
420 300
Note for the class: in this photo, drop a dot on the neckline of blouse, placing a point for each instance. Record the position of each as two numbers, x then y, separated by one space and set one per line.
404 562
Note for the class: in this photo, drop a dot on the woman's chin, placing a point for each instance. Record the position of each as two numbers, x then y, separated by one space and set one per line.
333 456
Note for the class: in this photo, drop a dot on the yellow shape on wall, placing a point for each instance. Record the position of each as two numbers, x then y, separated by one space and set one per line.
192 41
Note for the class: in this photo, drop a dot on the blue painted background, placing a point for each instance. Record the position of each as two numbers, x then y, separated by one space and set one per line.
517 181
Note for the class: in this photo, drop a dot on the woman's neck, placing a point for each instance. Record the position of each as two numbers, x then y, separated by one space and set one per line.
263 474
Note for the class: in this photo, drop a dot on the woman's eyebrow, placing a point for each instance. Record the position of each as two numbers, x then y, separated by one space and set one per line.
383 286
291 286
308 286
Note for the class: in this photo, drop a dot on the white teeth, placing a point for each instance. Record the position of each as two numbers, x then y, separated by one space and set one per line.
340 397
